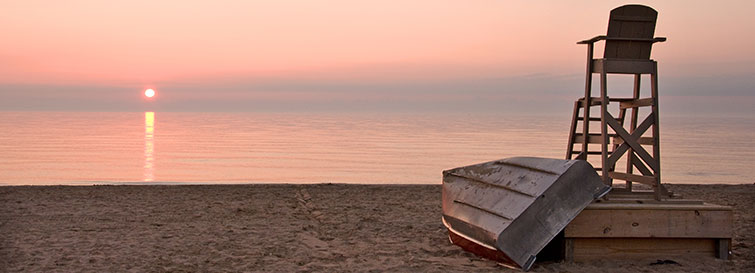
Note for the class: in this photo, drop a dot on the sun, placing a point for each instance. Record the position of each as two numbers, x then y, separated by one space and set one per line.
149 93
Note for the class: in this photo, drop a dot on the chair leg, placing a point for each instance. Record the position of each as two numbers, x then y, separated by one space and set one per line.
586 104
585 126
656 132
572 131
605 169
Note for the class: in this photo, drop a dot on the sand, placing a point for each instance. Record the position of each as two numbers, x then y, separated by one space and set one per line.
281 228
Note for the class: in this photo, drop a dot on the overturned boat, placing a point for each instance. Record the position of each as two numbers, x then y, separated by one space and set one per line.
508 210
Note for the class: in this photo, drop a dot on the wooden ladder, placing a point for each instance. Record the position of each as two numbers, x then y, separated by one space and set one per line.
625 142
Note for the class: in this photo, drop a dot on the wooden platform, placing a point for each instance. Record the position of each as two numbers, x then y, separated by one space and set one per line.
625 227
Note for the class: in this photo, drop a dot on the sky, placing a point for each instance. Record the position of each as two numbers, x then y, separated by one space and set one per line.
341 55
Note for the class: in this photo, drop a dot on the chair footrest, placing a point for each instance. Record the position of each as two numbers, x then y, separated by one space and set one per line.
636 103
647 180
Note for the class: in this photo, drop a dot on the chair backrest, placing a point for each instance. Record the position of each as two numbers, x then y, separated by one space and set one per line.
630 21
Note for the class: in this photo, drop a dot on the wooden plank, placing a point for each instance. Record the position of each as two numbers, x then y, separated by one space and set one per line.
613 66
640 166
641 141
656 223
591 119
586 249
660 206
604 117
632 18
636 103
656 131
647 180
572 131
594 101
586 101
651 200
636 147
588 152
635 28
632 160
723 248
622 193
569 249
592 138
649 194
621 149
614 99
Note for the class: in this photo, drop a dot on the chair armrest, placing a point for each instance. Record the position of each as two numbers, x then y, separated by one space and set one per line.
651 40
659 39
592 40
603 37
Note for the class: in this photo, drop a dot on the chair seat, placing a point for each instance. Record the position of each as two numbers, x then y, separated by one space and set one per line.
623 66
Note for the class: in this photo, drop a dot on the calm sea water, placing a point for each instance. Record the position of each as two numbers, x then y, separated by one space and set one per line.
45 148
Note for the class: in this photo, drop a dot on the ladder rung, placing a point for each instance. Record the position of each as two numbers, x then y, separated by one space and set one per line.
621 99
596 134
636 103
591 118
593 101
624 103
589 152
591 138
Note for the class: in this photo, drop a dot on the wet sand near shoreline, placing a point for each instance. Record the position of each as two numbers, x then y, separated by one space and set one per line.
281 228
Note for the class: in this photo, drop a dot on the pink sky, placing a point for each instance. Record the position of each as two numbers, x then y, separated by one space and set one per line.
136 44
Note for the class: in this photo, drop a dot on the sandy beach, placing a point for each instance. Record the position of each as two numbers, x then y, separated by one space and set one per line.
280 228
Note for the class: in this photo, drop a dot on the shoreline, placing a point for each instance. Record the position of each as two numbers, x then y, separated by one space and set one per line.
280 227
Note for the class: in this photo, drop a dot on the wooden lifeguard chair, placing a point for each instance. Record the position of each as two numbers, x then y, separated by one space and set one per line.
629 223
627 51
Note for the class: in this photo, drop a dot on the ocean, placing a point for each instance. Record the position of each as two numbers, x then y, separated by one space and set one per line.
87 148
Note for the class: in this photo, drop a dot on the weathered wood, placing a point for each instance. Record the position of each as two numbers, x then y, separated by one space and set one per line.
636 103
586 249
515 206
569 249
614 66
572 131
628 142
592 138
605 118
636 162
641 140
590 119
588 152
650 199
614 99
656 206
593 102
647 180
636 147
634 220
632 159
624 193
630 22
635 229
606 38
628 42
723 248
656 129
586 103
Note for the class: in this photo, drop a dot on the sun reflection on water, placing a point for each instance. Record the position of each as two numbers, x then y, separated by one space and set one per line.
149 146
